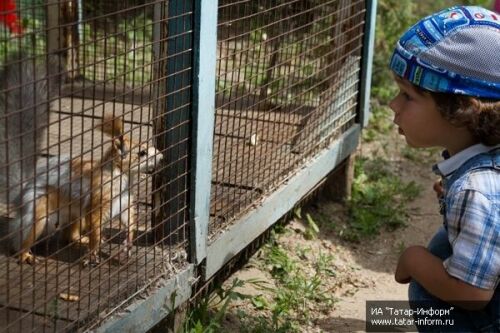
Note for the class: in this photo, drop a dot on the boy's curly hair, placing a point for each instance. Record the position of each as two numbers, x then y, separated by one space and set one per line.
480 116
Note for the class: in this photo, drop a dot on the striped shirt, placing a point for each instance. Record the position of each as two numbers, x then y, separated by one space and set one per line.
471 181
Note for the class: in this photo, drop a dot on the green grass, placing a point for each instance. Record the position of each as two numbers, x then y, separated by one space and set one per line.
379 199
208 314
297 291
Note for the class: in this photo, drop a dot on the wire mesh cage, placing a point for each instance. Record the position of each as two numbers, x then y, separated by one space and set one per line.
94 161
103 169
287 84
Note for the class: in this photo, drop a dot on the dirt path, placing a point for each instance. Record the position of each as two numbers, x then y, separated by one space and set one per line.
377 258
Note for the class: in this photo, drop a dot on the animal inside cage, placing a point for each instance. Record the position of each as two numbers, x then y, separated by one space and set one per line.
93 163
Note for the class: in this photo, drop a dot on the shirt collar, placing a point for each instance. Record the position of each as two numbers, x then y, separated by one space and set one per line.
448 166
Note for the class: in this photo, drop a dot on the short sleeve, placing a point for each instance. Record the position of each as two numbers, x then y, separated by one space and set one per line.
476 246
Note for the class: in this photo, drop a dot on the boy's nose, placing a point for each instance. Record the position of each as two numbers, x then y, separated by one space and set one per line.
393 104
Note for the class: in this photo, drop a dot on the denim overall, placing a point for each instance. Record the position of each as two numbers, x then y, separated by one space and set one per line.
488 319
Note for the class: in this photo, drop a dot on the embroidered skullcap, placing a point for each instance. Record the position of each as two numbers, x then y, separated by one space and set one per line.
456 50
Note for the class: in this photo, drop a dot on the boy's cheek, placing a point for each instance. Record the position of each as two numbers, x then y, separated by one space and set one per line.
394 105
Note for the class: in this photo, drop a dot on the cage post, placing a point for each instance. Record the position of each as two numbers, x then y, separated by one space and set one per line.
205 54
366 66
169 222
53 43
339 182
70 42
63 36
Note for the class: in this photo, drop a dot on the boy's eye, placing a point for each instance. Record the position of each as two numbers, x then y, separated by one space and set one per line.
405 95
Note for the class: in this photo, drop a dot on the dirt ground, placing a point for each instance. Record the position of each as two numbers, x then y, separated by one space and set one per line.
363 271
377 259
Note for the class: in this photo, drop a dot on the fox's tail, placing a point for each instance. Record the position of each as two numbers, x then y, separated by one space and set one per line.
26 91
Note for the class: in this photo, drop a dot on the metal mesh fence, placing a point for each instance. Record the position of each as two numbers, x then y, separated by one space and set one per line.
94 158
287 84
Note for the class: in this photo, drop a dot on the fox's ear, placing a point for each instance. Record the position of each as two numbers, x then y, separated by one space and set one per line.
118 126
118 144
112 125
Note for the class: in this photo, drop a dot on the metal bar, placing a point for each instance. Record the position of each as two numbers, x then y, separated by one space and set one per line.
179 44
279 202
366 67
205 55
145 314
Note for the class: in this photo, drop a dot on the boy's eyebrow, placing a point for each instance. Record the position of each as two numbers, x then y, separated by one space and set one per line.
408 87
401 80
406 84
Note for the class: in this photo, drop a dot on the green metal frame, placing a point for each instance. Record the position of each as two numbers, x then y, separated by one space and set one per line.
367 65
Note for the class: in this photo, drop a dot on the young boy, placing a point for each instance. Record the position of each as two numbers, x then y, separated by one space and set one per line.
447 67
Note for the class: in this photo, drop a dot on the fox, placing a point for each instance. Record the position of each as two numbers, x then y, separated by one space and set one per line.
83 195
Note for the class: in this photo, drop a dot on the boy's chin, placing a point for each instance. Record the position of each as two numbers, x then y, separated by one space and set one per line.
412 143
415 145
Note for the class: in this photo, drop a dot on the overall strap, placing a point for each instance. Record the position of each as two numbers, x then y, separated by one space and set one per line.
490 159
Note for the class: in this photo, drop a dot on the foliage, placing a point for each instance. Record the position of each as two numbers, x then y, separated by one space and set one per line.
298 291
292 300
379 199
123 55
393 18
312 230
31 42
380 124
208 313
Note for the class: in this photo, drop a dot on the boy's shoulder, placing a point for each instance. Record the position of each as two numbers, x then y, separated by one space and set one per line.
481 173
484 180
474 197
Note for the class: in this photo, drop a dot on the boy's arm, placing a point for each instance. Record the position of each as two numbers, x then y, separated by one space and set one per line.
418 263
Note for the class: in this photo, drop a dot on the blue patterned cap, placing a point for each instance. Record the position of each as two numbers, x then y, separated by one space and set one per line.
456 50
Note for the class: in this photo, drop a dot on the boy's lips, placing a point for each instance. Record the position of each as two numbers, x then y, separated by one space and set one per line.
400 130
